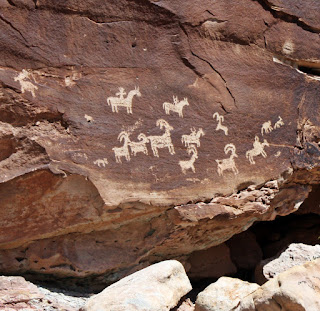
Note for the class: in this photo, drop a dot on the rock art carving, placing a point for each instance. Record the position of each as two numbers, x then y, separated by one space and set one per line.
26 85
258 148
177 106
139 146
123 151
163 141
189 164
122 101
220 126
101 162
266 127
229 163
193 138
279 123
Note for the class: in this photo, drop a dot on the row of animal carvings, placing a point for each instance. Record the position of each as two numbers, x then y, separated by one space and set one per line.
191 141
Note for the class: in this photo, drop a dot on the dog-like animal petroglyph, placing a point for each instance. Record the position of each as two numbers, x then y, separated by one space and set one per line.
122 101
101 162
189 164
24 78
177 106
258 148
266 127
229 163
220 126
139 146
279 123
163 141
193 138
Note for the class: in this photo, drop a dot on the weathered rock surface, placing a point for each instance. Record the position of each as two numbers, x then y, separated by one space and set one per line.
18 294
155 288
136 131
295 289
295 255
224 294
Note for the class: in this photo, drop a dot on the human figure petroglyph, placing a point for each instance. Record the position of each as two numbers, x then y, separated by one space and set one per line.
177 106
189 164
139 146
279 123
229 163
26 85
258 148
220 126
101 162
266 127
193 138
121 101
124 150
163 141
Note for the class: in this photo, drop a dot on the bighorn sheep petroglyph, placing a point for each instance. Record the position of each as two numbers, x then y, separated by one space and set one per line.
124 150
229 163
189 164
163 141
220 126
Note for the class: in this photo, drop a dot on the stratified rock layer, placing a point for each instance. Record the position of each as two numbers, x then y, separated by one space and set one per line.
135 131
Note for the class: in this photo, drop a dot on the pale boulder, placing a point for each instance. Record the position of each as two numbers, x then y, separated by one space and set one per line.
224 294
297 289
156 288
296 254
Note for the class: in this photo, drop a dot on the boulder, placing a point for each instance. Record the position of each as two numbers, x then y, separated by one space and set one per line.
133 131
224 294
295 255
295 289
156 288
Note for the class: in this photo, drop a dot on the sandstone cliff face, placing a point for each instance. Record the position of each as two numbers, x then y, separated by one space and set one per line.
135 131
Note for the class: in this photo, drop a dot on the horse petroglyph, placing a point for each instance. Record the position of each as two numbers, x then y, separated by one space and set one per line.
229 163
279 123
139 146
177 106
189 164
122 101
163 141
258 148
101 162
266 127
220 126
124 150
193 138
26 85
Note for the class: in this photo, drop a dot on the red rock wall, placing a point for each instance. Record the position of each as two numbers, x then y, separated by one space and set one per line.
114 112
